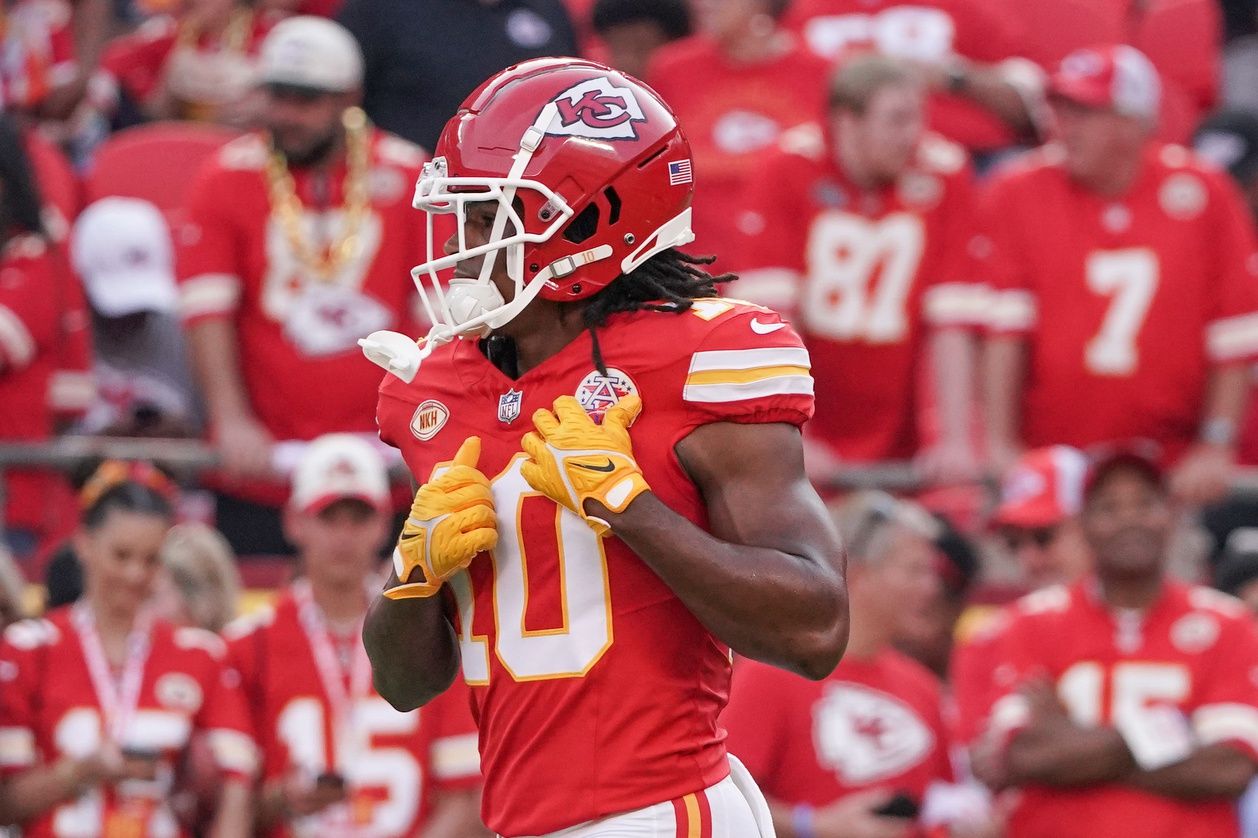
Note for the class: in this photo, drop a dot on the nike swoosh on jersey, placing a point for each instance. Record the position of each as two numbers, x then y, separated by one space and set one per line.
607 469
765 328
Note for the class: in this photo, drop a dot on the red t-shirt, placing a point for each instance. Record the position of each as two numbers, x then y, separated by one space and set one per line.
595 689
874 723
733 114
303 371
1183 39
1125 303
1194 652
392 762
43 333
928 31
866 272
137 62
49 708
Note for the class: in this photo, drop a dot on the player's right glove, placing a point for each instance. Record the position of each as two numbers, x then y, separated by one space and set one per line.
451 520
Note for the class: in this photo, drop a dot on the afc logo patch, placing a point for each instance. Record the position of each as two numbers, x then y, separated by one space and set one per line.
597 109
597 392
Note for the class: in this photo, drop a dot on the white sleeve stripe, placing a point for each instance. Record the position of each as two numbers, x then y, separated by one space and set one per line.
781 385
208 294
17 747
455 757
1233 337
16 343
773 287
956 302
1012 310
1227 722
750 359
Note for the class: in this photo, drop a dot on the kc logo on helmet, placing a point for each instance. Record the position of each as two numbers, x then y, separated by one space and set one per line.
597 109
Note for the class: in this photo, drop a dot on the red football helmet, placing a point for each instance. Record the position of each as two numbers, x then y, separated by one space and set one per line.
591 176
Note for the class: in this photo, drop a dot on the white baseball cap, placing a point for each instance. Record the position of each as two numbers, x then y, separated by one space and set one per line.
311 52
339 467
121 248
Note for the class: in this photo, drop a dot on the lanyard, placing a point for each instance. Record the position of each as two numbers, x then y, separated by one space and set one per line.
117 698
347 742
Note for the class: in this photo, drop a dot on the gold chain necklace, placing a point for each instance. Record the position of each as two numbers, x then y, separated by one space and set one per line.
288 210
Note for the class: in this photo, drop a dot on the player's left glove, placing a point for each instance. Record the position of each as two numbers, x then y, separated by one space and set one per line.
572 459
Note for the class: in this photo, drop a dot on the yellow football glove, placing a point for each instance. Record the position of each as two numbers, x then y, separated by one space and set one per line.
451 520
571 459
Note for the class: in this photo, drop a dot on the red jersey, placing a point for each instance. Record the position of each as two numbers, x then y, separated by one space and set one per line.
213 71
866 272
556 622
53 704
295 329
928 31
733 113
972 675
873 723
42 320
314 711
38 52
1125 303
1193 653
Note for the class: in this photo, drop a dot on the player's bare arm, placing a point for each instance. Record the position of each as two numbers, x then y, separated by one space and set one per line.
413 649
768 580
1218 770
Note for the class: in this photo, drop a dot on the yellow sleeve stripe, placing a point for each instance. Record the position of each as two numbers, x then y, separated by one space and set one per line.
743 376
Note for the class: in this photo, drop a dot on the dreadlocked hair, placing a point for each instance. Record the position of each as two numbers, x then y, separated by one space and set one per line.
669 281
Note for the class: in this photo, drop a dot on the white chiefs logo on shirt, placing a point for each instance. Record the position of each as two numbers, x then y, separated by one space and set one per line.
865 735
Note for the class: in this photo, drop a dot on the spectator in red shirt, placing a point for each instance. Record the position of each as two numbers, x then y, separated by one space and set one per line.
299 241
963 48
860 230
1128 704
735 86
860 752
1124 277
199 65
41 319
1038 518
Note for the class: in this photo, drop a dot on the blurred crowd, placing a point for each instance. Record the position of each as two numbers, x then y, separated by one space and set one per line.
1018 237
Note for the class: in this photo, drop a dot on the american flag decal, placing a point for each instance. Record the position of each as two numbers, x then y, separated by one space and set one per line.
679 172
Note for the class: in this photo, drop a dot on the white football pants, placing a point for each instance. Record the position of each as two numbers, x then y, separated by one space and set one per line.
733 808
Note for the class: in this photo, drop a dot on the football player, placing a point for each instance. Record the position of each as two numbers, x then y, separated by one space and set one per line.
613 483
1128 705
336 759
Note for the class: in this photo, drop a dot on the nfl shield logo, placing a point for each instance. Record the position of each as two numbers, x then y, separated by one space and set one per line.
509 406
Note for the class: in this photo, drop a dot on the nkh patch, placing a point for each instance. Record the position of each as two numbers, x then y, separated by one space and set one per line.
680 172
429 418
597 393
509 406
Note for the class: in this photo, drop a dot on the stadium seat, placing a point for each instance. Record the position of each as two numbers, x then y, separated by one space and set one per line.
153 162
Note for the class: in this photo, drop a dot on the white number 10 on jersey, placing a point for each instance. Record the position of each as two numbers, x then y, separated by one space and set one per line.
568 651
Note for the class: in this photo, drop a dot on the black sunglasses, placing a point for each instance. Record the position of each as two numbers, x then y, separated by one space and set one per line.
1041 537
